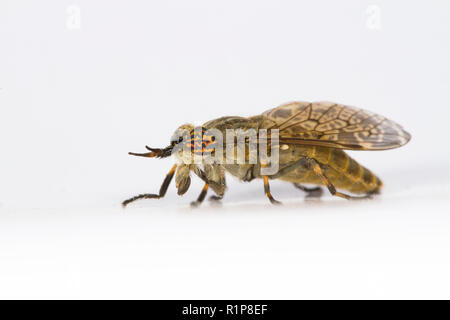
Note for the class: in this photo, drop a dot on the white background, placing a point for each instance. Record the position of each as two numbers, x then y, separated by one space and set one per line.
78 92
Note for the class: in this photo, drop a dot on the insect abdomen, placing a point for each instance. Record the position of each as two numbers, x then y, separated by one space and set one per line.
346 173
343 171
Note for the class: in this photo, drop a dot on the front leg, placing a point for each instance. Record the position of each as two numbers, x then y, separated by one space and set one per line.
162 190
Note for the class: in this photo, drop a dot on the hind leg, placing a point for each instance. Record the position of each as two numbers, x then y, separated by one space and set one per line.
215 198
306 189
313 192
318 170
312 164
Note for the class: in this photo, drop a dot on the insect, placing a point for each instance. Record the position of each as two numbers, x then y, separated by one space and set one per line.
312 138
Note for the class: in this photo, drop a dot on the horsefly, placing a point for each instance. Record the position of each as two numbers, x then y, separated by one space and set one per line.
298 142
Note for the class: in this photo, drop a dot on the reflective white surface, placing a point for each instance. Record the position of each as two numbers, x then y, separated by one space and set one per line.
74 99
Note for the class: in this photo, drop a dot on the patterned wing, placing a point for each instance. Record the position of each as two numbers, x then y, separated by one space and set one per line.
335 125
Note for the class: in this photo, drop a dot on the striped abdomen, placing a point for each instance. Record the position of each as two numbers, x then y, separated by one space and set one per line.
343 171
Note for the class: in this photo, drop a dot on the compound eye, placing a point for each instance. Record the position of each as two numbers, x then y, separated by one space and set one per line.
180 139
213 138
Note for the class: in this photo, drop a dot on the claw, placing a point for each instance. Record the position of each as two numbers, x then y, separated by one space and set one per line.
275 202
195 204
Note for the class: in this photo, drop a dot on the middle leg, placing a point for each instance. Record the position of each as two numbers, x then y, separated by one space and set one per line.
267 188
267 191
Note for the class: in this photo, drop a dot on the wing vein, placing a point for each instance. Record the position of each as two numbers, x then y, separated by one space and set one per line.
360 130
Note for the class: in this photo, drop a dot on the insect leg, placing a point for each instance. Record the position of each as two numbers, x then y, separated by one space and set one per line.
202 175
303 162
267 188
267 191
215 198
306 189
318 170
201 196
314 192
162 190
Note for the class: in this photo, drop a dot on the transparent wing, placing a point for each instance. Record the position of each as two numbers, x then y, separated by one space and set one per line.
335 125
